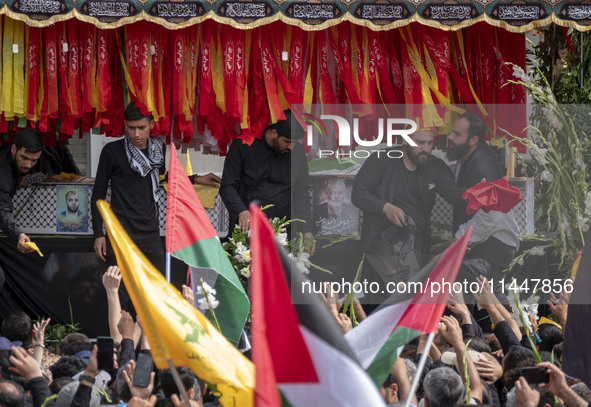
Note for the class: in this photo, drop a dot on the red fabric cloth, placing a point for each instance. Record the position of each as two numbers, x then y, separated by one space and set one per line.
492 196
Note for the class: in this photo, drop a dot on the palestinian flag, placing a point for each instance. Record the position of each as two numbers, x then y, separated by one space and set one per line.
298 347
378 340
191 237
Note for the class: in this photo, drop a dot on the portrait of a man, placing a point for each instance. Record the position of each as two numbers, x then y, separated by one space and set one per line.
72 209
334 214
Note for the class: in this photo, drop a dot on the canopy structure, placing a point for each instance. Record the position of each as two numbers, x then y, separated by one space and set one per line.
512 15
227 83
225 69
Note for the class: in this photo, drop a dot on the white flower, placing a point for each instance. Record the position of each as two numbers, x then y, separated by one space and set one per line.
554 122
245 271
546 176
521 75
584 223
539 154
565 226
520 261
302 262
208 302
528 306
208 293
205 289
536 251
203 304
282 238
242 253
213 303
588 204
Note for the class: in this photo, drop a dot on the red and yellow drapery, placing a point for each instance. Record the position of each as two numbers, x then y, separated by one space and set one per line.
73 75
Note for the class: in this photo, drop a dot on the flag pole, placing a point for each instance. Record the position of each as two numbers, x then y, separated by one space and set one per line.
168 267
179 384
420 367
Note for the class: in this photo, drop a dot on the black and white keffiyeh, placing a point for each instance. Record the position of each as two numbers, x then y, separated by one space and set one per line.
149 164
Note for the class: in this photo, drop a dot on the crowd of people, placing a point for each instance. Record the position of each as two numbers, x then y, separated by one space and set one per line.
396 197
490 372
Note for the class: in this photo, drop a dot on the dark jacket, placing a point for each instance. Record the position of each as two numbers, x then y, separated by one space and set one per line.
257 173
378 182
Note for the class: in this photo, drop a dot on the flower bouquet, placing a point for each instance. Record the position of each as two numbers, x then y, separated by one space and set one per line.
238 249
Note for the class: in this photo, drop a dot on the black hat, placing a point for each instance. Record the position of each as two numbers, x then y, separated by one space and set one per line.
289 128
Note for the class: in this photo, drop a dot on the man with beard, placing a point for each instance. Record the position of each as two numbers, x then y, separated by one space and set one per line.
397 197
15 163
73 218
495 237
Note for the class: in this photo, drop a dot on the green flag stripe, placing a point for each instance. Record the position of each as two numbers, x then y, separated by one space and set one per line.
234 306
209 253
380 367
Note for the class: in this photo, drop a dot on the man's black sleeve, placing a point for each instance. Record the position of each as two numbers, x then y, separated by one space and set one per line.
231 179
302 206
39 390
7 222
446 186
366 181
506 336
99 191
472 330
82 396
126 352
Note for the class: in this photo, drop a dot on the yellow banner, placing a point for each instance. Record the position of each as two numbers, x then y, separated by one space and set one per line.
174 328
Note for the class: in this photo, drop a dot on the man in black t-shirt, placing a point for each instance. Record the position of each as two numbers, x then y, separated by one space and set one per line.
397 196
271 171
133 166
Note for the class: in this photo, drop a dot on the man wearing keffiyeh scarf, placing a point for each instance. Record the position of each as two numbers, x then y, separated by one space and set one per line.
133 166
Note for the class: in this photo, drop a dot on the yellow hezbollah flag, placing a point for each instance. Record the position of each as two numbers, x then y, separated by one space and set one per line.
175 329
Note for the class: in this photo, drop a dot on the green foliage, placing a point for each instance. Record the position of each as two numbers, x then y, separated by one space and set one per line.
568 71
559 137
54 333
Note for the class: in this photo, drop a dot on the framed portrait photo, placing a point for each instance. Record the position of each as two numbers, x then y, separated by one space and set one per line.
333 212
72 209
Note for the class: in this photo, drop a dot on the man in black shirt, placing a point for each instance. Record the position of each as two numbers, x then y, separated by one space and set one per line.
133 166
397 197
272 170
16 162
495 235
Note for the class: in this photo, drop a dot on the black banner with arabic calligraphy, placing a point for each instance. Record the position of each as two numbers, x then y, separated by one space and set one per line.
513 15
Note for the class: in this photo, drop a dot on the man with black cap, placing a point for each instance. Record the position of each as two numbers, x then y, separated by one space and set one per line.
271 171
133 166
